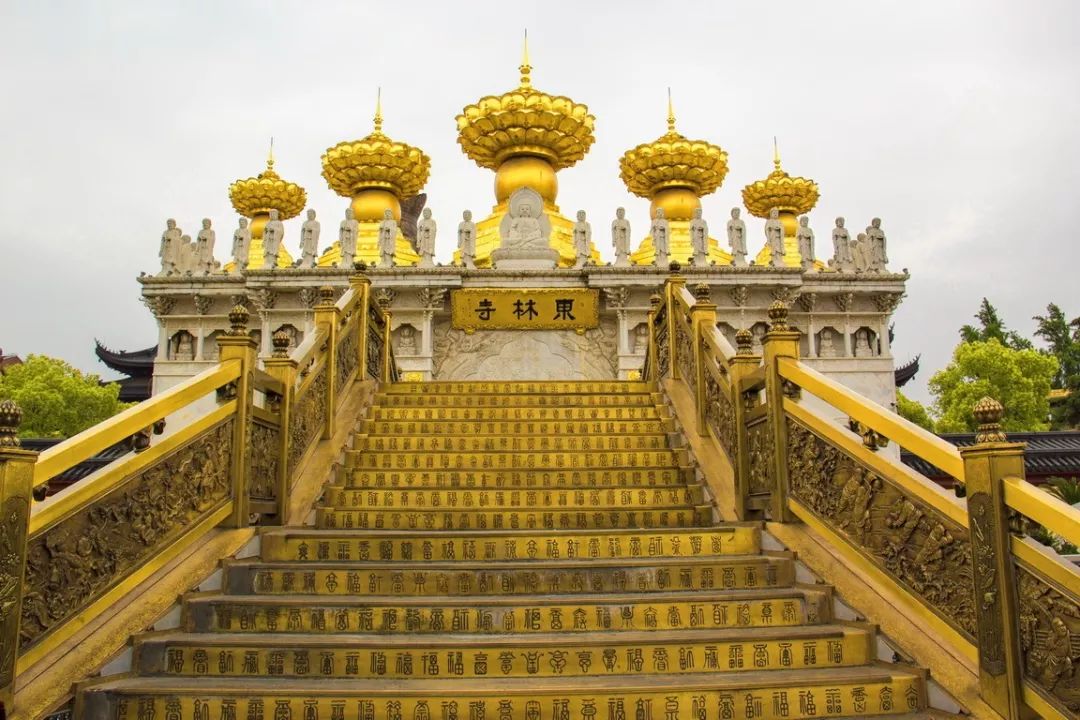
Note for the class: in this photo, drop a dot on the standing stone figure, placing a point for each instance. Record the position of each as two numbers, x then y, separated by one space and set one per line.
170 247
187 260
241 245
842 259
425 239
699 239
347 238
309 240
620 238
204 248
805 238
774 238
466 237
861 253
388 231
736 237
879 257
273 234
582 239
661 233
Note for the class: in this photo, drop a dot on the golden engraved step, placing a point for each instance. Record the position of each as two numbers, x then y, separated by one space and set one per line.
539 428
531 577
465 498
583 459
539 400
305 544
506 413
588 387
502 443
527 478
630 653
462 519
779 607
866 691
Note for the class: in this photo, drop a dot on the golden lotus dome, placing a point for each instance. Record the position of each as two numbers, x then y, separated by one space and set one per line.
790 196
255 197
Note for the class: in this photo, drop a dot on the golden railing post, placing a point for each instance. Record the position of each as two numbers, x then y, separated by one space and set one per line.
361 285
239 345
780 342
16 488
284 368
387 355
651 359
744 363
703 315
674 283
326 317
986 465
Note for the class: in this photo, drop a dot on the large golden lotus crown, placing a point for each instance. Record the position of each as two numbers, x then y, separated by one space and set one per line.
267 192
376 161
781 191
526 121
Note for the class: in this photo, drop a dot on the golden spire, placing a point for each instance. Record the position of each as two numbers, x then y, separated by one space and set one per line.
775 153
795 195
670 113
378 111
525 68
270 156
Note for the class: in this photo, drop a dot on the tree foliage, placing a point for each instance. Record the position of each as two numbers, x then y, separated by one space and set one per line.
57 399
992 327
1062 338
913 411
1017 378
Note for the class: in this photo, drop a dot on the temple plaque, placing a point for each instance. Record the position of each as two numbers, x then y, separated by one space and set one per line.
524 309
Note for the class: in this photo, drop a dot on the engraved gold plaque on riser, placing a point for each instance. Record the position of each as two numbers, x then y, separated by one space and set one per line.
511 551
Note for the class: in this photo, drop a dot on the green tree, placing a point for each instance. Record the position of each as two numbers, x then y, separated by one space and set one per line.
913 411
992 327
1017 378
1063 342
57 399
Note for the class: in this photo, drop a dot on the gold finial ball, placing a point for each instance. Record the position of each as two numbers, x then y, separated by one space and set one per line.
701 293
326 295
675 267
281 341
238 319
778 315
988 412
383 300
10 419
744 342
360 267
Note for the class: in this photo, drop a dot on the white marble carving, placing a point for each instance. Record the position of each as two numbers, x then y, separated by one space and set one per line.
388 232
699 239
241 245
524 233
309 240
878 252
204 248
273 235
774 238
736 235
347 238
170 247
582 239
661 236
620 238
805 238
842 260
466 233
425 239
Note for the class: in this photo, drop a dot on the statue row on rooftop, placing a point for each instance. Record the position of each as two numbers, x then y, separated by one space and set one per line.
180 256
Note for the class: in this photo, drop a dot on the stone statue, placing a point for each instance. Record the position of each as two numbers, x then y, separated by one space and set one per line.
805 238
620 238
466 237
582 239
661 234
524 230
842 260
862 343
757 338
407 339
774 238
170 247
699 239
347 238
309 240
826 347
273 234
641 338
523 234
860 253
875 237
425 239
388 231
241 245
204 248
736 237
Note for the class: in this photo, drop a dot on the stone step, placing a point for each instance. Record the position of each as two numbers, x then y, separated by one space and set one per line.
503 400
312 545
779 607
853 692
409 498
539 428
517 579
595 518
482 442
541 655
495 414
505 387
524 478
509 460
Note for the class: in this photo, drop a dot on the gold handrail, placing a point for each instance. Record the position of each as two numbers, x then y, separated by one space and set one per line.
1043 508
721 349
685 299
311 344
91 441
907 434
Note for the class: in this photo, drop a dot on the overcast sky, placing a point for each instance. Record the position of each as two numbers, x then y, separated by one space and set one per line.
955 122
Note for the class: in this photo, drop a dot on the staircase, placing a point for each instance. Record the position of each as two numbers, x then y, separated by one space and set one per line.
510 551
